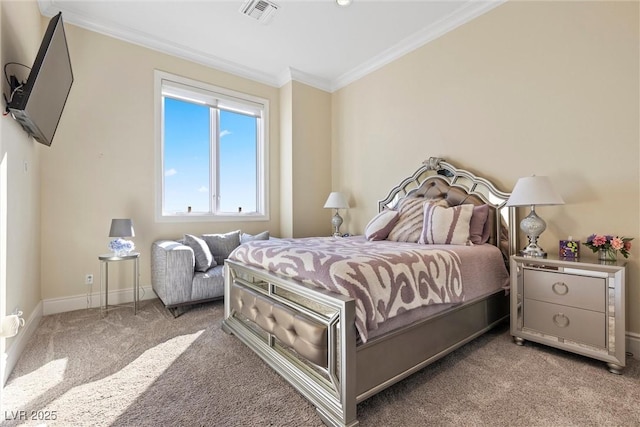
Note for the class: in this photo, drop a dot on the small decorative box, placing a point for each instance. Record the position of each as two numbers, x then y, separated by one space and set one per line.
569 249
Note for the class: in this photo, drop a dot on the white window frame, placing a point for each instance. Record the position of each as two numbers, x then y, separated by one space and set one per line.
244 102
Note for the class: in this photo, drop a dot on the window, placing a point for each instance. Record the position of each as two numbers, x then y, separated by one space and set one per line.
211 162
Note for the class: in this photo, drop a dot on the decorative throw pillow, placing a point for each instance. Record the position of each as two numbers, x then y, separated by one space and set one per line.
381 224
477 224
244 237
446 226
221 245
488 229
411 218
202 254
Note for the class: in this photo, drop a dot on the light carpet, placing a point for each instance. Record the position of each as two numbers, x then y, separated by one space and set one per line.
152 369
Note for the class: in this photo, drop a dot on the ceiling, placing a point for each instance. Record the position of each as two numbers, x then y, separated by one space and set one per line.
315 42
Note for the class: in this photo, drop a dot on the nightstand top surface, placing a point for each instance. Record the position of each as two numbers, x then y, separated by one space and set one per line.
568 262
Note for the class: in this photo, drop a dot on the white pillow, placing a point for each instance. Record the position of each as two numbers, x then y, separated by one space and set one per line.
446 226
381 224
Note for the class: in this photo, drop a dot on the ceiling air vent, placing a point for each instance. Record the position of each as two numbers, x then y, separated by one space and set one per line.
261 10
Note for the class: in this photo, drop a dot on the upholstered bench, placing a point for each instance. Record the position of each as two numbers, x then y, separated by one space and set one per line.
191 270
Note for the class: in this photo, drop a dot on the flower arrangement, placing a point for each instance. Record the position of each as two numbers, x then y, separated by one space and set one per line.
121 246
609 244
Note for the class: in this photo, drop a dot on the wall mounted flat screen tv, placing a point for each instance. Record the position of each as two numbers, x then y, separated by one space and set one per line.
37 105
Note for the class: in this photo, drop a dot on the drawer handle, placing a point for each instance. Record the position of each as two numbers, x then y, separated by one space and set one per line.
560 288
561 320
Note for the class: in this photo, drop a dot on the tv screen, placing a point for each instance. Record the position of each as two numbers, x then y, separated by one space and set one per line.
38 104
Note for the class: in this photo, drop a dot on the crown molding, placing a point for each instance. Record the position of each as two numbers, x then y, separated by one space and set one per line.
468 11
48 8
292 74
464 14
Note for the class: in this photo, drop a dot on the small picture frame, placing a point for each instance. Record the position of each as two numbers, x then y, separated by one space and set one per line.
569 249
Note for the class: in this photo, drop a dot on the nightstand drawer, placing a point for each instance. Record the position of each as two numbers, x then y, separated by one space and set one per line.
566 289
570 323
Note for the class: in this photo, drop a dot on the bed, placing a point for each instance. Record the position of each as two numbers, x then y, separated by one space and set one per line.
341 319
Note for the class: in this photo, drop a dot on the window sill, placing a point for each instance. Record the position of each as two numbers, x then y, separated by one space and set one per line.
194 217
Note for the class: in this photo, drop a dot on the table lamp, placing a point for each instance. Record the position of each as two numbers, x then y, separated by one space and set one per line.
534 191
336 200
121 228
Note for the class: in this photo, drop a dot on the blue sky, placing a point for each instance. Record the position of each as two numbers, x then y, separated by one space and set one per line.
187 154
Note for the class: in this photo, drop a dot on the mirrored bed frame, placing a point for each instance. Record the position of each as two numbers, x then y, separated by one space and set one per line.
307 334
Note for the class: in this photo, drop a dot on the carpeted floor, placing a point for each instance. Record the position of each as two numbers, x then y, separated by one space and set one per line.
152 369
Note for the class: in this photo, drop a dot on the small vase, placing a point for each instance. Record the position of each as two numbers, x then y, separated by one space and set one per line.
607 255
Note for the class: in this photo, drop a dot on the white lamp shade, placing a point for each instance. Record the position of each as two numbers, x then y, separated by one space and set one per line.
121 228
336 200
534 191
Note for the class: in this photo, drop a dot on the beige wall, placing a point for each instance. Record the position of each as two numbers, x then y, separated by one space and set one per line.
306 160
101 163
311 161
21 31
286 160
531 87
545 88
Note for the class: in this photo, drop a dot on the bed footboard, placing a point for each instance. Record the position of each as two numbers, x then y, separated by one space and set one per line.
308 336
305 334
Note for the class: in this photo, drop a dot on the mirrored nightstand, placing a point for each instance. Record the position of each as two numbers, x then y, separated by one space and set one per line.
576 306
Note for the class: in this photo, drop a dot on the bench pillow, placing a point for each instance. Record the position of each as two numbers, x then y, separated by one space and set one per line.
202 254
221 245
245 237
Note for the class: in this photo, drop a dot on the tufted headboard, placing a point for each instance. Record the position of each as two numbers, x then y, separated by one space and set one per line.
439 179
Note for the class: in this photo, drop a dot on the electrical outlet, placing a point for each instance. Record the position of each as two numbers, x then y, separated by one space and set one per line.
88 279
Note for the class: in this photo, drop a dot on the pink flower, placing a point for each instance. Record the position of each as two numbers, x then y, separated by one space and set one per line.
617 243
609 242
599 240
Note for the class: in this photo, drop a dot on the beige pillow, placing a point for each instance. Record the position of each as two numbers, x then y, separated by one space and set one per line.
446 226
411 218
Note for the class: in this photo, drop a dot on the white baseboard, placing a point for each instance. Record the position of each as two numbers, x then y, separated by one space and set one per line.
92 300
123 296
20 341
633 344
61 305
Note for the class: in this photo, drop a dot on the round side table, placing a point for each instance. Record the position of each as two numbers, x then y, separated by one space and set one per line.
104 276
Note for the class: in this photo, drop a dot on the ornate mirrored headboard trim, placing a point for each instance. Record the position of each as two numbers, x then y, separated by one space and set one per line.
435 172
